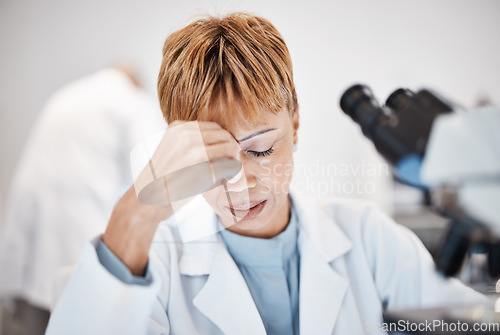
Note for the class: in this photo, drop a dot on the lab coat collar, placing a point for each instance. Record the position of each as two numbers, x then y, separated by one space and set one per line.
225 298
319 228
322 284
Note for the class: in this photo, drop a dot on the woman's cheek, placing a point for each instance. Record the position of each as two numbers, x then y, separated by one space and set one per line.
285 177
276 176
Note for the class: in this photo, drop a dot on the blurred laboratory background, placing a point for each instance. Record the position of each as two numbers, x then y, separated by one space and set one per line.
450 46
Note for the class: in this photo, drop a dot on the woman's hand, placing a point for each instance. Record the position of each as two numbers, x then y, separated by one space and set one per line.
133 224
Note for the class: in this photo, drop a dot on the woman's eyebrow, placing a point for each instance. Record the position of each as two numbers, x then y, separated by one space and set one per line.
255 134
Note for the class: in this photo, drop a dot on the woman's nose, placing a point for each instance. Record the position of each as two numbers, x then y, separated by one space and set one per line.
245 179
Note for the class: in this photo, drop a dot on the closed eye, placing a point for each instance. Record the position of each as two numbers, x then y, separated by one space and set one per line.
261 153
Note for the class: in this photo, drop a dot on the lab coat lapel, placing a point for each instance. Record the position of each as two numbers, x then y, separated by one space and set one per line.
225 298
322 286
322 291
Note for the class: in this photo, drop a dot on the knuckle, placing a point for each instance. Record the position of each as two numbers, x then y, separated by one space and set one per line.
175 123
215 124
209 124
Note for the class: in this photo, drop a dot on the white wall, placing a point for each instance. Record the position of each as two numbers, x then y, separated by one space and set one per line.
452 46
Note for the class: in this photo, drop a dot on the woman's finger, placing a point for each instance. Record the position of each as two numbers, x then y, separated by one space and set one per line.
223 150
215 136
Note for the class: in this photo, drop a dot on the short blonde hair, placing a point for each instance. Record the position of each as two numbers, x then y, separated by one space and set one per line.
238 60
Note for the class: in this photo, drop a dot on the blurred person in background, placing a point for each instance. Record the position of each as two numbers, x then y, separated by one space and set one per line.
73 170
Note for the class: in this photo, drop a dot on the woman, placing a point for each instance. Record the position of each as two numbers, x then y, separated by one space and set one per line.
283 265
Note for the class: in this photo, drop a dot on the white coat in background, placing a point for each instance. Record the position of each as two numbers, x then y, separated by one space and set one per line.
73 170
353 261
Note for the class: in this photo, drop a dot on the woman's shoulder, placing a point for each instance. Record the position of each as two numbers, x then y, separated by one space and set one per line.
345 212
363 223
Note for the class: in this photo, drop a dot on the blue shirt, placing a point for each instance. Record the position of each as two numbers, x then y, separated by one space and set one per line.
271 270
116 267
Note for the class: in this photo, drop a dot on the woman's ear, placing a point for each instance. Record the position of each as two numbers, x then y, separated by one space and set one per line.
295 123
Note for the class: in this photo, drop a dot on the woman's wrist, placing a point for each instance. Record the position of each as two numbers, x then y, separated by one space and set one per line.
130 242
131 230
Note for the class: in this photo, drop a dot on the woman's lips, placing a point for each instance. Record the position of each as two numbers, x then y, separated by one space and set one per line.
247 211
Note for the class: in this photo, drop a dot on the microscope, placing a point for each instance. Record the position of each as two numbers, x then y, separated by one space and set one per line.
452 155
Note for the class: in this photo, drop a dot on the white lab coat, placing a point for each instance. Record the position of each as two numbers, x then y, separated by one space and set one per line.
353 260
73 169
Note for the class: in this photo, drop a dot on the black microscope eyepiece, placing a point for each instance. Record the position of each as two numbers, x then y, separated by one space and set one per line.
400 99
360 104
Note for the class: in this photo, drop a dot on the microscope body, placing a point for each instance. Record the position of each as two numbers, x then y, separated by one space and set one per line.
452 154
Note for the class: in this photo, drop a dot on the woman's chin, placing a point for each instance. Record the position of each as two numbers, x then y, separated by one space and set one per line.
249 222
